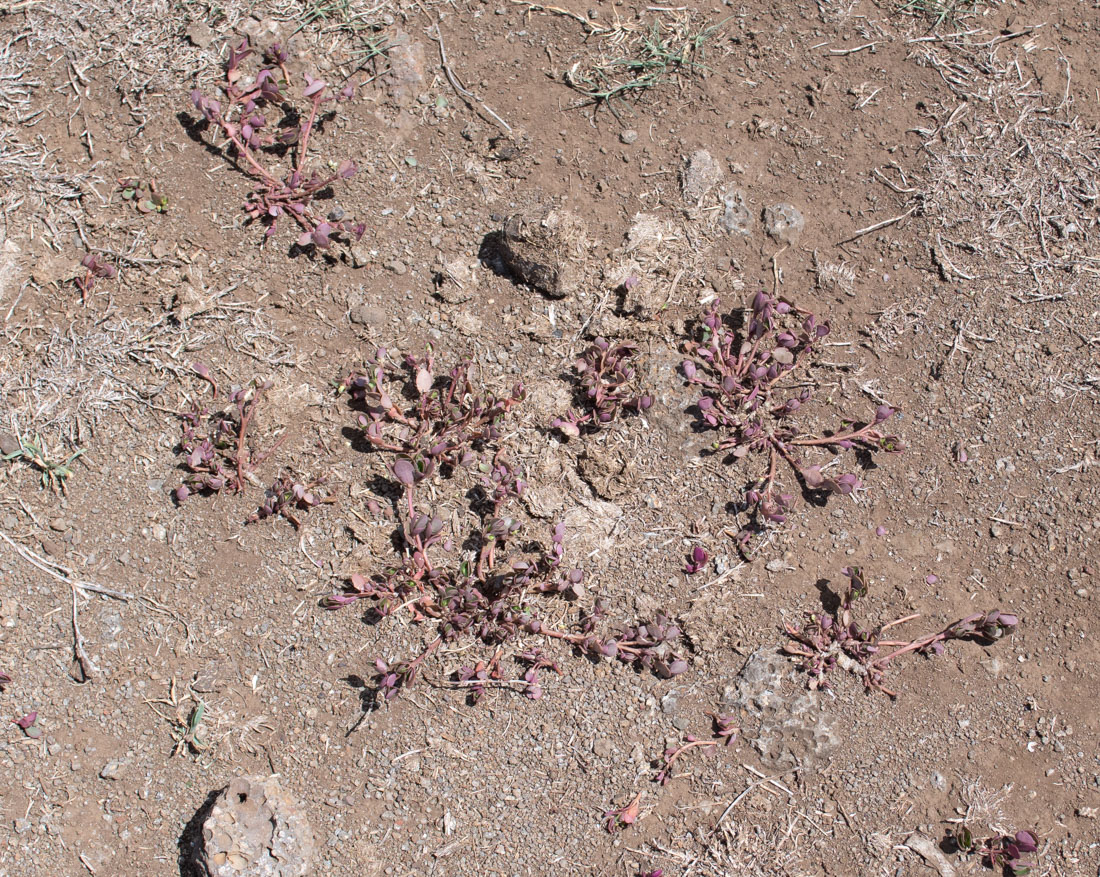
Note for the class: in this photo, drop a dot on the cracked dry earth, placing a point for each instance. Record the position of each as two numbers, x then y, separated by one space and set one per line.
180 700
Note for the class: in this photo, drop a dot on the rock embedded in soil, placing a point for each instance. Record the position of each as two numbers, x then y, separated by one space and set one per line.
200 35
701 174
784 223
545 248
367 315
737 218
405 78
255 829
792 727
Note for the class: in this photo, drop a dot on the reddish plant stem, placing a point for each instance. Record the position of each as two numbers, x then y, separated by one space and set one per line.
414 664
834 439
246 416
676 755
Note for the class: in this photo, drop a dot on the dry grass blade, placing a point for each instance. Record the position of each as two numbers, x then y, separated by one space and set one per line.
1013 175
633 58
85 665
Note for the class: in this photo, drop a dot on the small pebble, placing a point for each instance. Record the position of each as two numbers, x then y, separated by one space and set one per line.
628 136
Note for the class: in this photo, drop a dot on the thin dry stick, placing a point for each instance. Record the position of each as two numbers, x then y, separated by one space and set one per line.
457 86
63 573
88 669
877 226
87 666
589 26
763 781
852 50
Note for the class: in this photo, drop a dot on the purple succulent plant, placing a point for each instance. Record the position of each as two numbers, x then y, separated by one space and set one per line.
95 268
452 427
748 395
607 385
242 116
826 641
216 453
1009 852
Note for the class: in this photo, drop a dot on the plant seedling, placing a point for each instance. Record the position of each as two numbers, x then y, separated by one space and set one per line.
55 474
449 424
749 397
623 817
287 496
186 733
725 732
30 725
5 680
143 196
216 454
827 641
1010 853
95 269
607 385
697 560
184 723
255 139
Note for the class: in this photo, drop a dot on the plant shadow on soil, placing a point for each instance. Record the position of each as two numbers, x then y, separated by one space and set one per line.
830 599
368 702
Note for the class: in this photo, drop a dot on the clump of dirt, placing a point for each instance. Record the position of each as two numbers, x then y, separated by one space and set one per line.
546 248
701 173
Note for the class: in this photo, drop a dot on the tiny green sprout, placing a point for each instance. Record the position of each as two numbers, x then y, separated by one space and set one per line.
187 734
54 474
155 204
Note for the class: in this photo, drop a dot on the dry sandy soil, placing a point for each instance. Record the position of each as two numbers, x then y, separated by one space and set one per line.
945 163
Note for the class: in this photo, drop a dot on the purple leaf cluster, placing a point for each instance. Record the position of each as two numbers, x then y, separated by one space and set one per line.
750 396
143 196
29 725
1011 852
608 385
826 641
95 269
213 442
287 496
449 424
651 645
242 115
697 560
623 817
489 595
486 673
489 600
